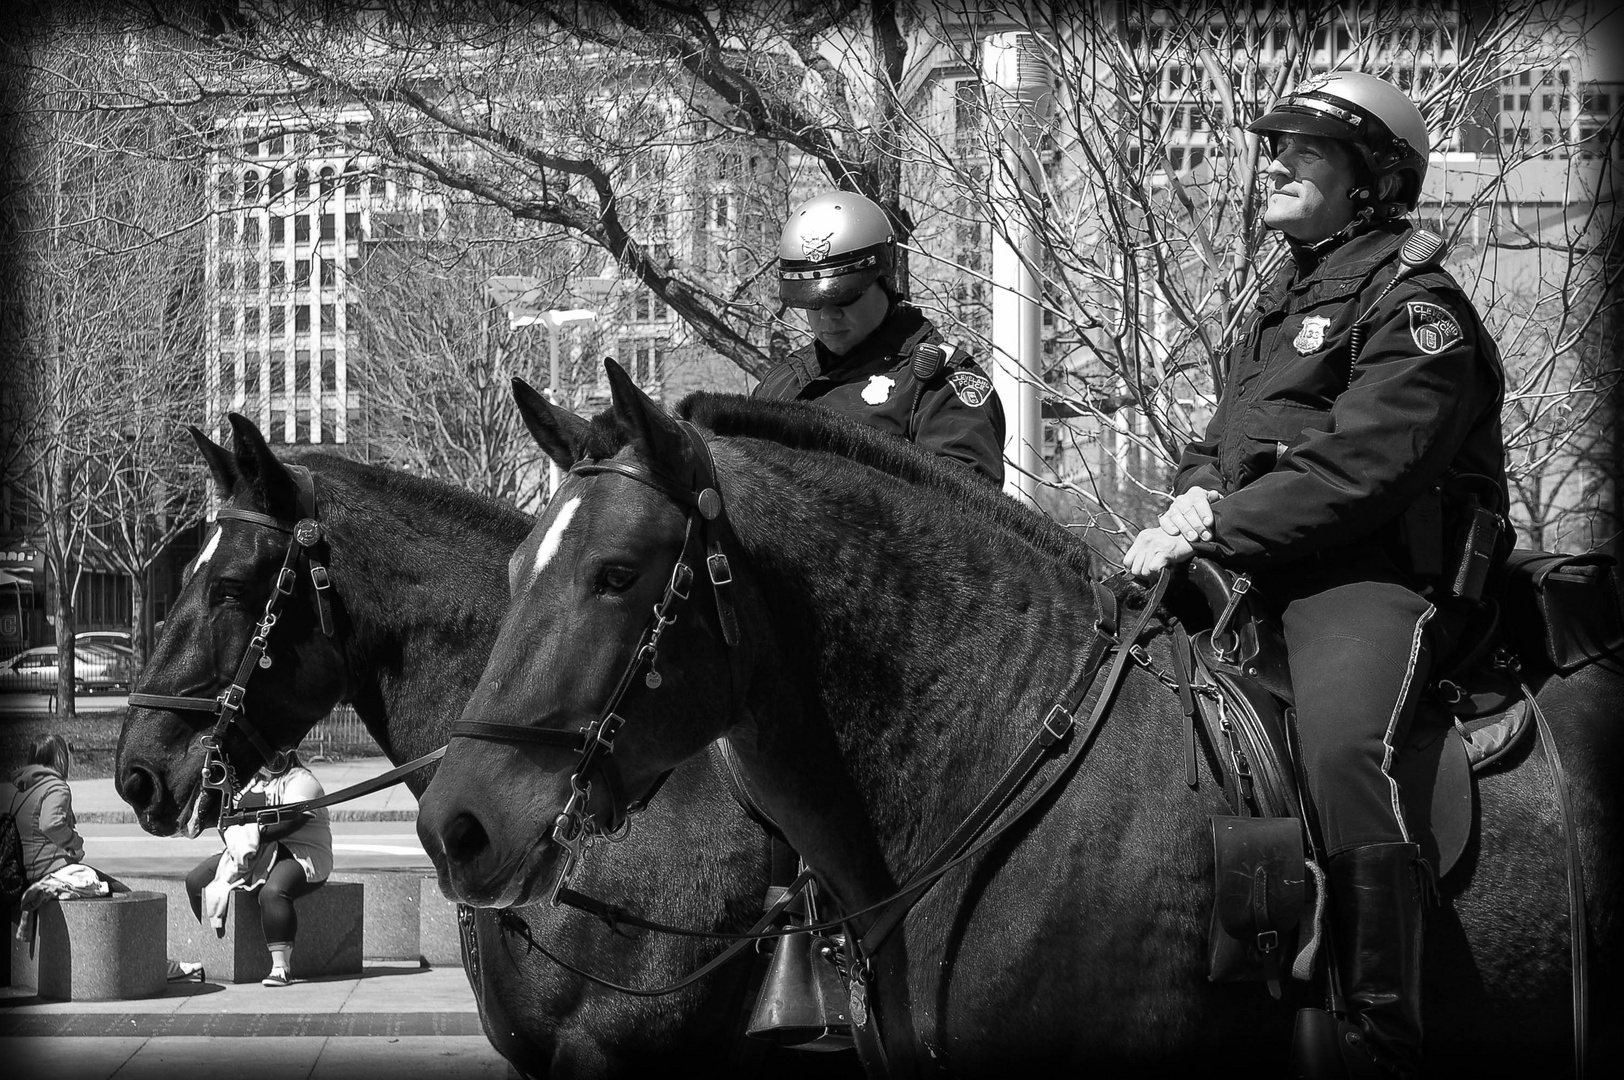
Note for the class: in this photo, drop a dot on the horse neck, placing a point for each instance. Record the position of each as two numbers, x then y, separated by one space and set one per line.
933 643
422 611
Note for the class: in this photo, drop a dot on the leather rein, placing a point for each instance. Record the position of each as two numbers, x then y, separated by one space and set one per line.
306 537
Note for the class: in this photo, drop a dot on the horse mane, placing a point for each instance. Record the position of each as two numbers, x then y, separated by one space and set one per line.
436 498
800 425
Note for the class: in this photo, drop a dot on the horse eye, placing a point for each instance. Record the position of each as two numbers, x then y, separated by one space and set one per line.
616 578
229 589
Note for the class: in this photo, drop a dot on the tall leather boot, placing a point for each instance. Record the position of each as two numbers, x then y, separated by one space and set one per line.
1377 897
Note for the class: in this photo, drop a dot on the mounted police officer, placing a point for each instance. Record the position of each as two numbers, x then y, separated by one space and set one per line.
875 357
1355 466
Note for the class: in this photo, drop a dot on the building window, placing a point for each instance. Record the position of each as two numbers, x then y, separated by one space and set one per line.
279 373
301 271
250 322
277 145
301 229
228 321
327 180
301 183
250 141
328 319
352 315
225 188
352 226
1508 102
279 273
250 186
250 231
228 377
228 274
329 274
329 228
375 185
301 372
275 184
250 274
1523 101
279 227
250 376
352 180
301 319
329 367
279 321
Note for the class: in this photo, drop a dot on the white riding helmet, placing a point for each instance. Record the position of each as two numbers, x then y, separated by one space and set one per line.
1369 114
832 249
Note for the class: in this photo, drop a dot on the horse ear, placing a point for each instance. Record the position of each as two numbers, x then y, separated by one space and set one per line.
221 464
560 433
653 433
259 467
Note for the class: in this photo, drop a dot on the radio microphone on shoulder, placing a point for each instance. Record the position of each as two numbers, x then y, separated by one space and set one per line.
931 359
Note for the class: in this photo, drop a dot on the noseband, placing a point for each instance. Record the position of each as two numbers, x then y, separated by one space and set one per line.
306 536
574 829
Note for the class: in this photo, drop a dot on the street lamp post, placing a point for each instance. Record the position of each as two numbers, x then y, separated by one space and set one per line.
1022 93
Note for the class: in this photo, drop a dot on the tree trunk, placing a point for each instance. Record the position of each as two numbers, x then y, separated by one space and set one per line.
138 622
65 629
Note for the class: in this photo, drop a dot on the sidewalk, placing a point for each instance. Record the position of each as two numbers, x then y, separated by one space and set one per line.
97 802
393 1022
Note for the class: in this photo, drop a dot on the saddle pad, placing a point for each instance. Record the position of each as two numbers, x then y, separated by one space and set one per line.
1435 781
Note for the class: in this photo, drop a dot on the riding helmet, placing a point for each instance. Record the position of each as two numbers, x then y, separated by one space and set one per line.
832 249
1369 114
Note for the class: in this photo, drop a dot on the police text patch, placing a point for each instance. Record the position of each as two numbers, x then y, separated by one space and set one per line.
1433 327
972 389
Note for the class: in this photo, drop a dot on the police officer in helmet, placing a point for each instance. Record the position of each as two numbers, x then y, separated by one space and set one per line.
875 357
1355 467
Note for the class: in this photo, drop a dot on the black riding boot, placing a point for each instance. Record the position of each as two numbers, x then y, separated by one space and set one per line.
1376 898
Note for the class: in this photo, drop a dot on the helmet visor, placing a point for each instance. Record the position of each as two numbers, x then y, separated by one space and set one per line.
815 288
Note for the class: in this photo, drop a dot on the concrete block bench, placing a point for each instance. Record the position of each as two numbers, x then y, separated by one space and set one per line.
332 924
95 949
406 917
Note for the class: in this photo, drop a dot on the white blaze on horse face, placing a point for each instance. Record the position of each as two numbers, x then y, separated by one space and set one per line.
207 553
555 536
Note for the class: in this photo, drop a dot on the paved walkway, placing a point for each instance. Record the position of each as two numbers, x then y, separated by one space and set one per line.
98 801
393 1022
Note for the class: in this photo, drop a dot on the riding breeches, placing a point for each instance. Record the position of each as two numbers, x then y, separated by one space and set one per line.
1360 652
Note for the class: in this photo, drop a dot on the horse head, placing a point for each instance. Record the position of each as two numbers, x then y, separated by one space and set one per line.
618 615
229 606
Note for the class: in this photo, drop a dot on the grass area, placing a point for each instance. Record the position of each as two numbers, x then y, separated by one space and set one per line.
93 736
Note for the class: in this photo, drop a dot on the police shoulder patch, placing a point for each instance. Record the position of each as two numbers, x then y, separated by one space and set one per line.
1433 327
972 389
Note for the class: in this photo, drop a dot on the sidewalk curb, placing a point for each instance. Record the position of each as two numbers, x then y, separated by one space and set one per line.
126 817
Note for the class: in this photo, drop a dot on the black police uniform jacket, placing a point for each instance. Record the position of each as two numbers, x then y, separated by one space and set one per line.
955 413
1319 453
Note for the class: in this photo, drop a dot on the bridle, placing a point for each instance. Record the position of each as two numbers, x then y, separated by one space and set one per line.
706 533
306 539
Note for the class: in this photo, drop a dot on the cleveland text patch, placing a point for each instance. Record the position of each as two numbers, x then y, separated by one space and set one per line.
972 389
1433 327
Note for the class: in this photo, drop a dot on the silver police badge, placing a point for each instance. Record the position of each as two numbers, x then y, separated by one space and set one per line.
878 389
1311 338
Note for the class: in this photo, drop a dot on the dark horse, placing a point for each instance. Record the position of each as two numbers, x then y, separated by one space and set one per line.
419 570
901 634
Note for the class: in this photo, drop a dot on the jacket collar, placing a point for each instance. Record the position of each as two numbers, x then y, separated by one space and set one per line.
900 331
1340 257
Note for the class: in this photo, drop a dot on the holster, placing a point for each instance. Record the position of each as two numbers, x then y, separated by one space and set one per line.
1260 884
803 1001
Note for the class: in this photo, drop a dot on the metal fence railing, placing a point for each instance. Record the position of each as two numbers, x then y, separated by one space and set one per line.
338 735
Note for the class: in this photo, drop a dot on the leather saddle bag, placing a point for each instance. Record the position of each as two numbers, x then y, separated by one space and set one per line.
1562 610
1260 886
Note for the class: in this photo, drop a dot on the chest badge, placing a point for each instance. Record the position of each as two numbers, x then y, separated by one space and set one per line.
878 389
1311 338
972 389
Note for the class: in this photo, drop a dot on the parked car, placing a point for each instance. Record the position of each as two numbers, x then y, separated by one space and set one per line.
98 665
108 637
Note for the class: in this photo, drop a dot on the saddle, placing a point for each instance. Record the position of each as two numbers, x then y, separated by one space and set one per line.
1546 613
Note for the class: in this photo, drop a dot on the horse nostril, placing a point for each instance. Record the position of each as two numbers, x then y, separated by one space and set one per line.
464 838
138 787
